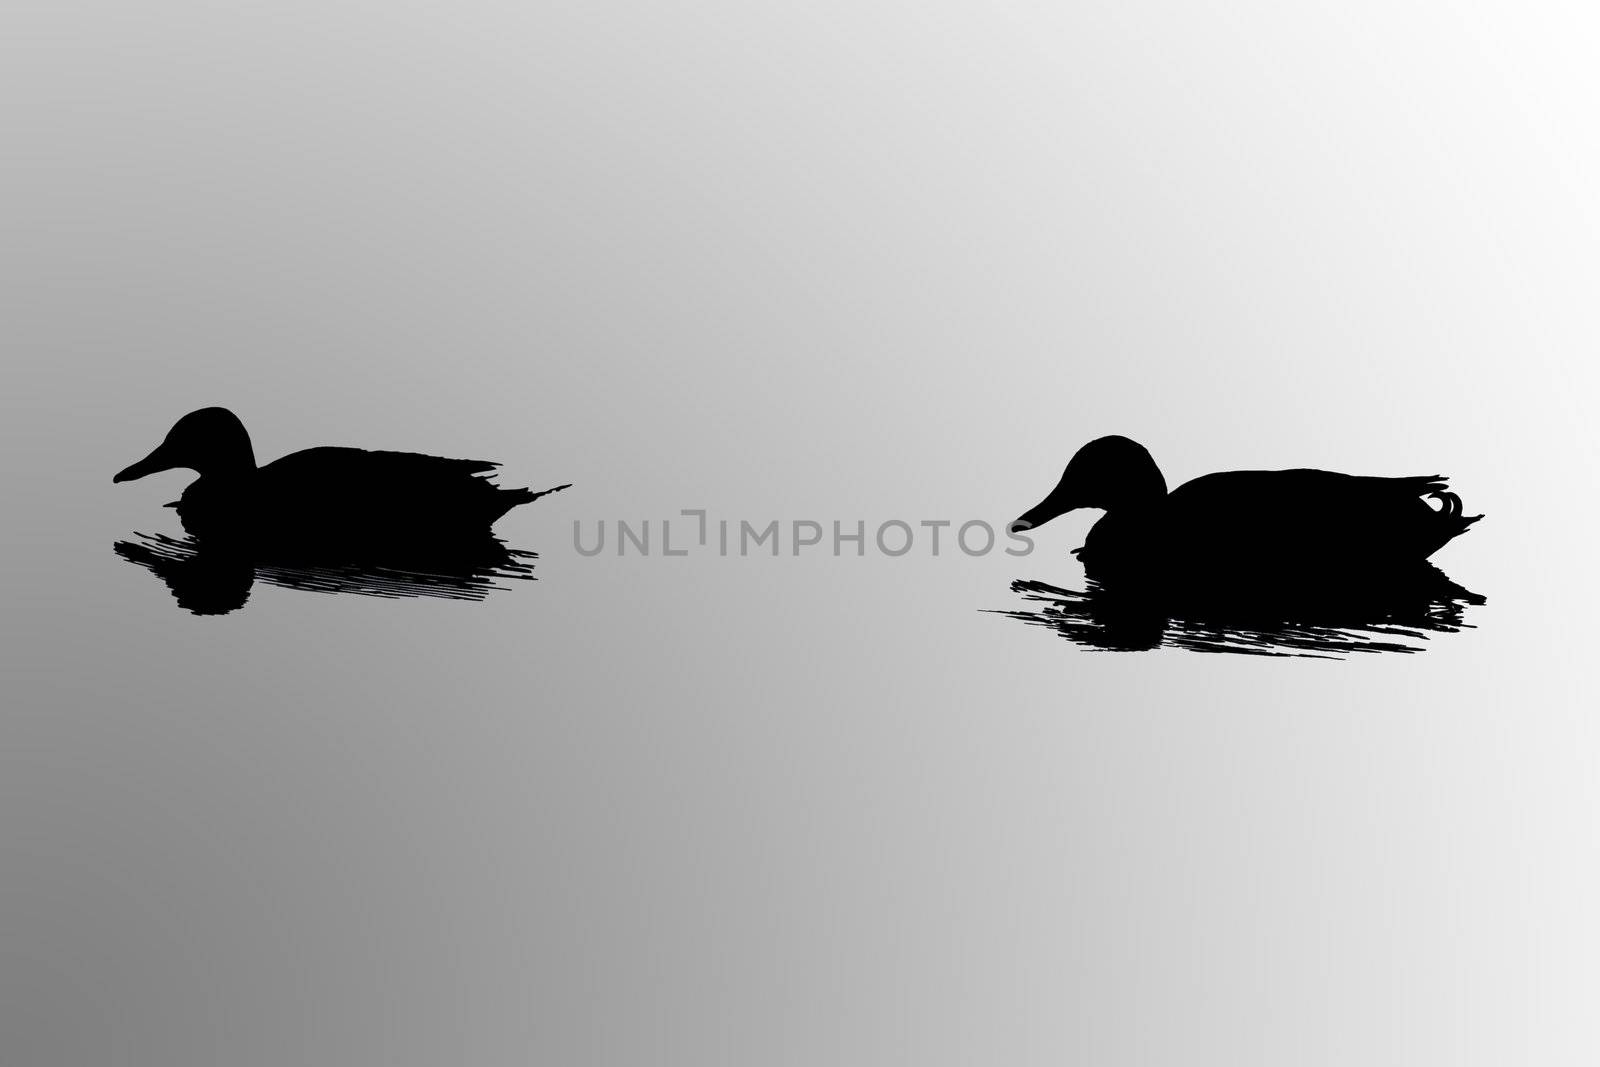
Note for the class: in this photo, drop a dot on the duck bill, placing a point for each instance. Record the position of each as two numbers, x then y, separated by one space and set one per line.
156 462
1048 508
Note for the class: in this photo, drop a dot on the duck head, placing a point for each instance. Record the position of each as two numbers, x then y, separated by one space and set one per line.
208 441
1107 473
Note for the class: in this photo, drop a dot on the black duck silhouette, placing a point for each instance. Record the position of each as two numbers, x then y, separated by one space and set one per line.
1246 519
323 496
1286 562
326 519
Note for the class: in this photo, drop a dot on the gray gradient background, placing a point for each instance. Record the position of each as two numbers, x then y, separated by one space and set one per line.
824 260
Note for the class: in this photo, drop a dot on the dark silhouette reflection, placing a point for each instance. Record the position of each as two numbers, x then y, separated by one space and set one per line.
1394 609
210 578
335 520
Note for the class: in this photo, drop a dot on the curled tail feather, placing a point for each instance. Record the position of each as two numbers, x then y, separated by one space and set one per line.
1450 512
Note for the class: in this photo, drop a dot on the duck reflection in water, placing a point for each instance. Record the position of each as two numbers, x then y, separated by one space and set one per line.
336 520
1290 562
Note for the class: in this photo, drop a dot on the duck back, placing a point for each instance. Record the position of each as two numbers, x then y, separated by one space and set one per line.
1288 516
342 496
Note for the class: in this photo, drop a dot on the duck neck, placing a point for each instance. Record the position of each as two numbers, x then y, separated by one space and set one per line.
229 460
1138 487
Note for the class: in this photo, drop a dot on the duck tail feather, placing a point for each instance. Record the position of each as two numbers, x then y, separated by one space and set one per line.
1450 517
506 499
528 496
1449 503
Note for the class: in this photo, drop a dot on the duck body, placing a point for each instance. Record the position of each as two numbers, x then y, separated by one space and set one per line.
338 499
1237 522
323 494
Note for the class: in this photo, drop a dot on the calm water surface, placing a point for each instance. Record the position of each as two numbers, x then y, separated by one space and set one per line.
791 262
